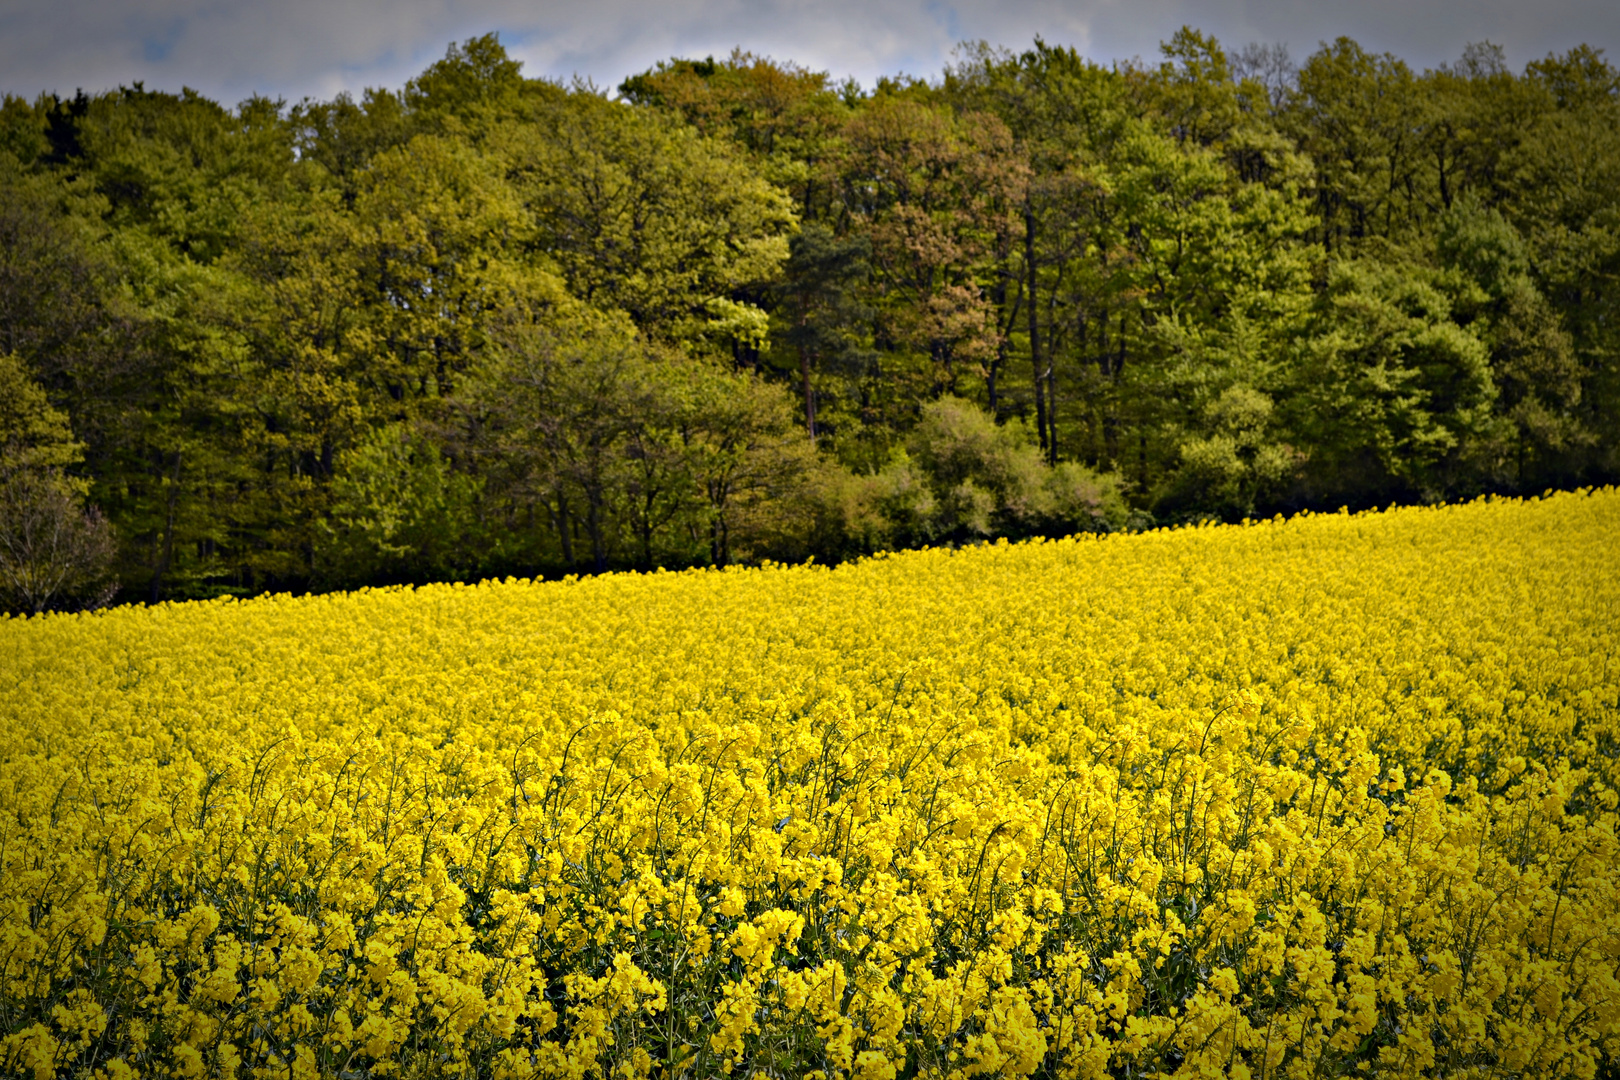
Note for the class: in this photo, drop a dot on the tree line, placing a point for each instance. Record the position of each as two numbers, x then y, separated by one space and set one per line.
736 311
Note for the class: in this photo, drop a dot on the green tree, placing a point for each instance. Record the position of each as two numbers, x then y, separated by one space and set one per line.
1358 116
1162 260
1533 362
476 85
182 167
1395 398
1561 191
399 512
785 117
544 418
628 453
1066 116
938 196
484 324
340 137
751 463
647 218
1233 462
820 312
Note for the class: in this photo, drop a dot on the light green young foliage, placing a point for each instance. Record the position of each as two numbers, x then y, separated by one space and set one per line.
440 237
1236 463
475 85
786 117
1164 258
1207 289
371 311
990 479
644 217
399 511
33 435
336 139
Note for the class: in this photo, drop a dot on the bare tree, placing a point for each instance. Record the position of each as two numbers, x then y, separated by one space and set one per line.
1270 66
53 552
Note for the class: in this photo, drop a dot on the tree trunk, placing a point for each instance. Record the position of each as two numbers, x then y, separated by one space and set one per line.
564 528
1034 325
1051 372
648 499
1001 346
593 522
809 395
1107 420
1051 411
719 538
166 552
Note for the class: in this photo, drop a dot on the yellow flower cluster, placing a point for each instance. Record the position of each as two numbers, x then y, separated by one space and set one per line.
1330 796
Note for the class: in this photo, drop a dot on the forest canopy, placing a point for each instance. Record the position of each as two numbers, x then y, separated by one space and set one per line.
735 311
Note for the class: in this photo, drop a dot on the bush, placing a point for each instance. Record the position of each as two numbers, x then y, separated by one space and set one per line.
989 479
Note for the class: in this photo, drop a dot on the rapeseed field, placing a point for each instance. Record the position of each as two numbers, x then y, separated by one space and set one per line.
1331 796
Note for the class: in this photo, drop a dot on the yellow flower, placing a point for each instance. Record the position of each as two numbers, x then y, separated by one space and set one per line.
1336 791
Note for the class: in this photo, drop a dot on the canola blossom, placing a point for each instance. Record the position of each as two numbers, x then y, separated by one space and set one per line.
1327 796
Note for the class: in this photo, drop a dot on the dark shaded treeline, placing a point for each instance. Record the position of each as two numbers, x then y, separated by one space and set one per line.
491 325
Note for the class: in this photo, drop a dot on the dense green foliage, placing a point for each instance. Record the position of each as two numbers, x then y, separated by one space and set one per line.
489 324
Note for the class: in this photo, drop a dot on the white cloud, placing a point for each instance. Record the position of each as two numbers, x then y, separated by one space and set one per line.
292 48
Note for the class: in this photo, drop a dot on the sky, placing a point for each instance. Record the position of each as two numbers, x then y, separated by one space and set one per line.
232 49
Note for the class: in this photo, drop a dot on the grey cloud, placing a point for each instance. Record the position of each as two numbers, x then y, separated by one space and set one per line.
229 49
